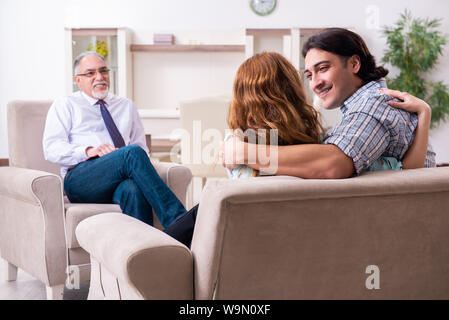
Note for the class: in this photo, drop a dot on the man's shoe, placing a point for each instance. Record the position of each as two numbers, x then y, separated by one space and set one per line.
182 228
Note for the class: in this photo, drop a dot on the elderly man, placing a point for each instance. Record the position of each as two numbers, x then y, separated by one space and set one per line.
98 140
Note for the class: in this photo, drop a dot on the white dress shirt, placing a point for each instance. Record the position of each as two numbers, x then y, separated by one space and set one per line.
74 123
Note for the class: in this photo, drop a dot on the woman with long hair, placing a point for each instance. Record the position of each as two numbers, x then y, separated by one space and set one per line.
268 96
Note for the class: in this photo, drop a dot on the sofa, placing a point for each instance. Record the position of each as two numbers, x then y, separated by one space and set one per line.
381 235
37 222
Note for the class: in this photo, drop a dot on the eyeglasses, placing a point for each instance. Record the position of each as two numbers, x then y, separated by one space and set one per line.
103 71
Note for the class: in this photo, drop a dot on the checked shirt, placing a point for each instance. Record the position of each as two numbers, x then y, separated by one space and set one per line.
371 128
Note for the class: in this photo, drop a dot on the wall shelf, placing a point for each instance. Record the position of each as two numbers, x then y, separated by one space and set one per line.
268 32
187 48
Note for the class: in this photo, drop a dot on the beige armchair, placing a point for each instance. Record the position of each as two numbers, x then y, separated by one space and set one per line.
199 117
37 223
383 235
204 119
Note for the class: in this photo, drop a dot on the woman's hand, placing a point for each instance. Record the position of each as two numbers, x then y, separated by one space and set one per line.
409 102
232 152
416 154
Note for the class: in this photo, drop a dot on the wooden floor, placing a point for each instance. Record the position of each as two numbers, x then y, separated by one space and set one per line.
27 287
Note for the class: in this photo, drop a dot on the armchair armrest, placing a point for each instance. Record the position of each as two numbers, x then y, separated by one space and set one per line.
136 259
24 184
177 178
32 221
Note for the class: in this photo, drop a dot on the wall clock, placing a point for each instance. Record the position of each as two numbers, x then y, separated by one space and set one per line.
262 7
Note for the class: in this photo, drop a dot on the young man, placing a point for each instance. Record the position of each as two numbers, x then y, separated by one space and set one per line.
98 140
343 73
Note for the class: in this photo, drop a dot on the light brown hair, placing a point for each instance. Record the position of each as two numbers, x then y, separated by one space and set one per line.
268 94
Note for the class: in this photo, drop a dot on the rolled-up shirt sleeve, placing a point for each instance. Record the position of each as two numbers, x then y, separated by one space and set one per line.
361 137
56 145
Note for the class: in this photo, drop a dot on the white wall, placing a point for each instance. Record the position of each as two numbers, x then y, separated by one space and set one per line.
32 34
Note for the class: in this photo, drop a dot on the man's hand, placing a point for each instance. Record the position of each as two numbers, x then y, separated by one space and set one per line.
100 151
232 153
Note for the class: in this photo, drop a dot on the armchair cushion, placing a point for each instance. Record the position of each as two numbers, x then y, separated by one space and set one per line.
77 212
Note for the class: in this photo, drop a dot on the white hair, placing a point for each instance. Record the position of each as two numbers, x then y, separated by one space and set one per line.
78 59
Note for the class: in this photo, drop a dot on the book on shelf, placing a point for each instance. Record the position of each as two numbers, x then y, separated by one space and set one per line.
163 39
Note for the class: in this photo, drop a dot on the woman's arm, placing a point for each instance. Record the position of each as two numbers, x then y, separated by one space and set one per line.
416 154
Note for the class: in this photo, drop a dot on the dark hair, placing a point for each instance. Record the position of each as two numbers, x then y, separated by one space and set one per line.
346 43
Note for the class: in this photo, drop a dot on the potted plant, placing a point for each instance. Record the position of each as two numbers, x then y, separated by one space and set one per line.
414 46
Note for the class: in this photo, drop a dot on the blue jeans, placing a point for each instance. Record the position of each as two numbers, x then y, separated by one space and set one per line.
125 177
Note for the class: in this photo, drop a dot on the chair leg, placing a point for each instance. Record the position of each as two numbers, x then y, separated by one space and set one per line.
10 271
55 292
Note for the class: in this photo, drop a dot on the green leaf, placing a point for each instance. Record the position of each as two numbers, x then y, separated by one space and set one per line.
414 46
